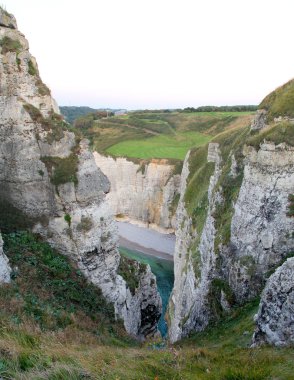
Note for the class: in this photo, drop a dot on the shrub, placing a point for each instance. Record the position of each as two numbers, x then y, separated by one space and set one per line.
32 69
67 218
62 170
130 270
9 45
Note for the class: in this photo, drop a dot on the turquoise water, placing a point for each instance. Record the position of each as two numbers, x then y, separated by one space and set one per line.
164 272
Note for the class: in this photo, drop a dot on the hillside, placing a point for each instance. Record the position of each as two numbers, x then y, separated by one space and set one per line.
61 328
151 134
280 102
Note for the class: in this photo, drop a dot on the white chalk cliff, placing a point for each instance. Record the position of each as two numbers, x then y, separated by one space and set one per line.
50 176
236 234
144 193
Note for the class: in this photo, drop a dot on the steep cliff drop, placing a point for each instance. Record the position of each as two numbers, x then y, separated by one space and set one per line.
233 219
50 183
145 193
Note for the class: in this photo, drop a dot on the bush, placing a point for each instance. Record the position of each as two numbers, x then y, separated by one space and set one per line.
9 45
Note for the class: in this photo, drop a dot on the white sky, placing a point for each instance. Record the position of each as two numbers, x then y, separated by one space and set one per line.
159 53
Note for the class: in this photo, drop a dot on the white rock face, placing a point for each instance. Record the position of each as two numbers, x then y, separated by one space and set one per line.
188 308
261 231
259 121
142 193
261 236
73 216
5 269
275 317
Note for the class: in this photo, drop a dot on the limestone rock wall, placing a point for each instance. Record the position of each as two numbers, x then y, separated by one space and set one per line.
211 275
142 193
274 319
188 308
261 231
51 177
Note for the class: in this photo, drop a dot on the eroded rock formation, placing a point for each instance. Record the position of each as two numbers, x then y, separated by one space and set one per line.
50 177
145 193
275 317
230 238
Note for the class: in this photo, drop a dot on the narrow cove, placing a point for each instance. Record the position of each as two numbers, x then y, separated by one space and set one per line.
153 248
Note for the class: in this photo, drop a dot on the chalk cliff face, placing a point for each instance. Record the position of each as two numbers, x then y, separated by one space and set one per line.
143 193
233 234
274 319
50 176
5 269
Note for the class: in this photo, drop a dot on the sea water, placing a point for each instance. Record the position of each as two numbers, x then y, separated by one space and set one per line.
164 272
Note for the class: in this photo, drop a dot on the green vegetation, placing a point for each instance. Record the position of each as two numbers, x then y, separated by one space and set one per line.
71 113
62 170
240 108
54 124
160 146
280 102
156 134
130 270
32 69
282 132
80 339
9 45
67 218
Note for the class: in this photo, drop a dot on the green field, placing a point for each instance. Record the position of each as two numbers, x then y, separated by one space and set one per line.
163 146
152 134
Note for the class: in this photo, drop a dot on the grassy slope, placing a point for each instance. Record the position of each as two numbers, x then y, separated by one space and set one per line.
159 134
55 326
280 102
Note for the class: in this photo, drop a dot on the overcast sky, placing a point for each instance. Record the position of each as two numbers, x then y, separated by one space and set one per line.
159 53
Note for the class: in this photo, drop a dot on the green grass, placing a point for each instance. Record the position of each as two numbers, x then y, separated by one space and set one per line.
280 102
160 146
150 134
54 325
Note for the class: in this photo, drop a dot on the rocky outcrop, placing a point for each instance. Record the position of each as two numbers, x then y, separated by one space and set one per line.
261 231
188 309
50 177
144 193
259 121
274 320
5 269
246 232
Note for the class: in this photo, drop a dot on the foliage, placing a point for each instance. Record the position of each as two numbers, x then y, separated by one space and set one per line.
54 124
62 170
71 113
280 102
9 45
49 288
67 218
131 270
240 108
282 132
32 69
